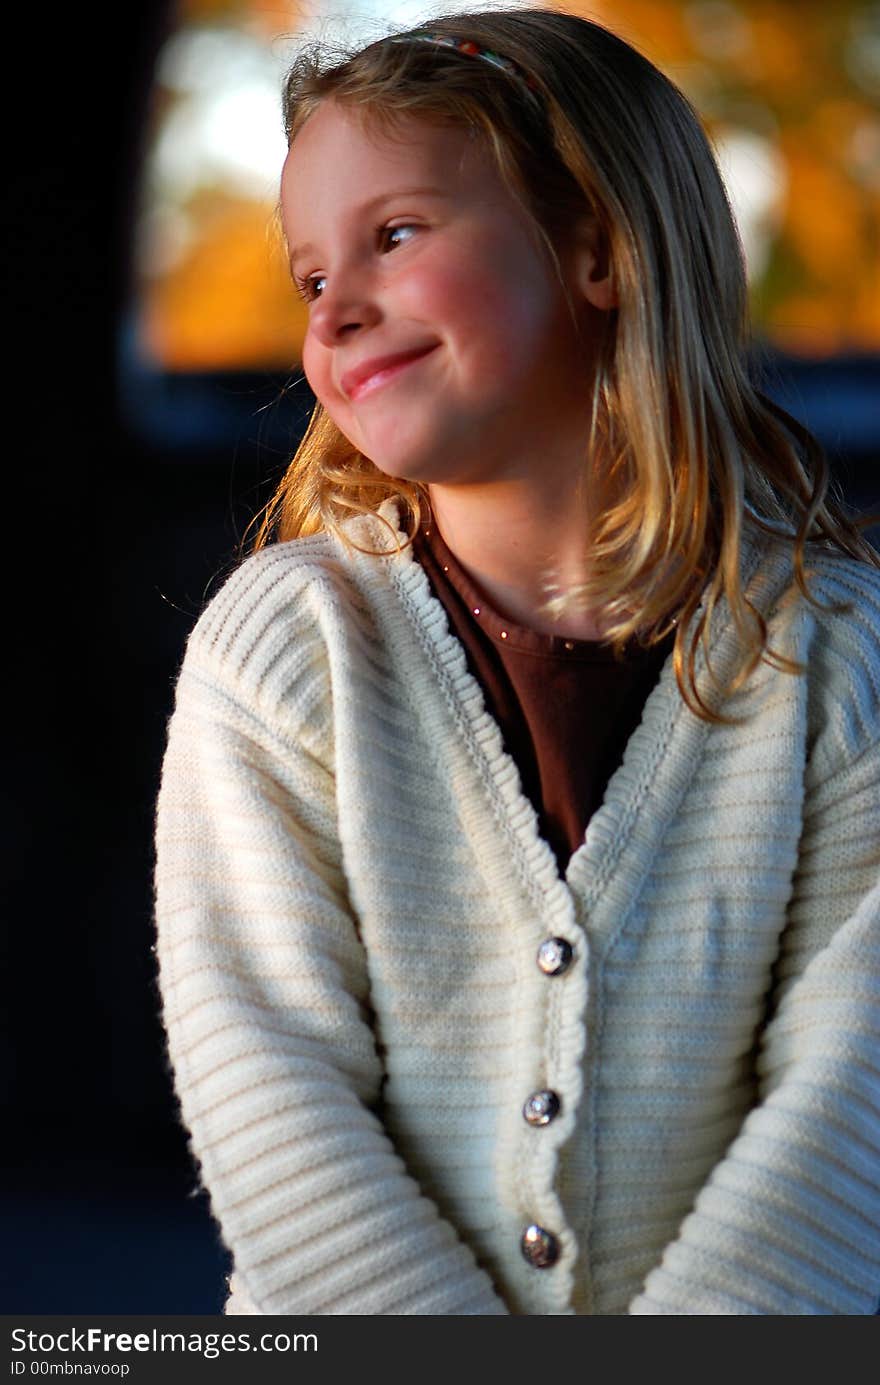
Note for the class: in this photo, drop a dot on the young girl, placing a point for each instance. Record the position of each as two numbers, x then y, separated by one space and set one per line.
519 833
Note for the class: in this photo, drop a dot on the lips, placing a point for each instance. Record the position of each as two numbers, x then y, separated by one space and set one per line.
370 375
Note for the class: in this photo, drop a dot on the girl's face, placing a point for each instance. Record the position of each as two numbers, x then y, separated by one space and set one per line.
439 339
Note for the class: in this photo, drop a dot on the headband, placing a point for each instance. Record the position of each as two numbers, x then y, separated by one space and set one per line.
473 50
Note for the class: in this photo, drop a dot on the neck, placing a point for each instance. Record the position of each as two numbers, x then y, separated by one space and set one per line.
511 537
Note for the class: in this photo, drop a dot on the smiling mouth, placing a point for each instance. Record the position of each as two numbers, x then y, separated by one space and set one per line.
383 377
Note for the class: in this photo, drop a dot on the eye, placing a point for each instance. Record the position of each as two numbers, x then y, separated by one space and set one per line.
383 232
305 287
312 286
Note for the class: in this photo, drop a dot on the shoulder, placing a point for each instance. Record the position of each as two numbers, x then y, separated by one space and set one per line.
842 655
267 633
269 591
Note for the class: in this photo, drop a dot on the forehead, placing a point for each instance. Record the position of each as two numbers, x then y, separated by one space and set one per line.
337 155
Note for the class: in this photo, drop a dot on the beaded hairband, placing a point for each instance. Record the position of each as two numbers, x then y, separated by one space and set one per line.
473 50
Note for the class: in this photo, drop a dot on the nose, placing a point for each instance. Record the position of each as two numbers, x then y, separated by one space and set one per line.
345 305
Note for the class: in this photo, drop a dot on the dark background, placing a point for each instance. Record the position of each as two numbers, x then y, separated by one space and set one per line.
126 496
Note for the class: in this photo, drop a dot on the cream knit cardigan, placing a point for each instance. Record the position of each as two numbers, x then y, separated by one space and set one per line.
351 891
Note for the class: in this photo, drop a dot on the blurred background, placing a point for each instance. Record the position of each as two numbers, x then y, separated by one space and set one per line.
155 397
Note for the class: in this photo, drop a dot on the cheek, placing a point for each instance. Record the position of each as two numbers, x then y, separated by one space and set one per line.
461 297
492 302
317 368
315 364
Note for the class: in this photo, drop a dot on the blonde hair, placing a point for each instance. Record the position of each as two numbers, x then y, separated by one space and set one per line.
681 438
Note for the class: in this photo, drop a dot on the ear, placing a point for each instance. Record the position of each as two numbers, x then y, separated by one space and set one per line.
592 271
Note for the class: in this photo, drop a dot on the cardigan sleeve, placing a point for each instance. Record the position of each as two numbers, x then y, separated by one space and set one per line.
267 1012
789 1221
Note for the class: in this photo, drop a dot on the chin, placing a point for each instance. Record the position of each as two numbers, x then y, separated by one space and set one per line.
451 465
406 451
409 467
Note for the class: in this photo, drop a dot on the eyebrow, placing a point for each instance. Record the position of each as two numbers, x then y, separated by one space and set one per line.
307 248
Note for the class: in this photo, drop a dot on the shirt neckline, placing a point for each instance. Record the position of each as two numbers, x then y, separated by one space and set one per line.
506 634
644 791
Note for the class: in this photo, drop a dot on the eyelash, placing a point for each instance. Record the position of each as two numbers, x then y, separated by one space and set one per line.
303 284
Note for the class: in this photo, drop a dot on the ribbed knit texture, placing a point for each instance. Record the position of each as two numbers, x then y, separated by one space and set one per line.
351 891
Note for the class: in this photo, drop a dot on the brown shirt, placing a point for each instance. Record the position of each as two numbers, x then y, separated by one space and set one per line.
566 708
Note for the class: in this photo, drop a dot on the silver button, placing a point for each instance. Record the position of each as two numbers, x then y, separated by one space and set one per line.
541 1108
540 1247
555 956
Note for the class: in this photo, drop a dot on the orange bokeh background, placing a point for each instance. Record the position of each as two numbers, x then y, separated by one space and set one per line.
793 70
